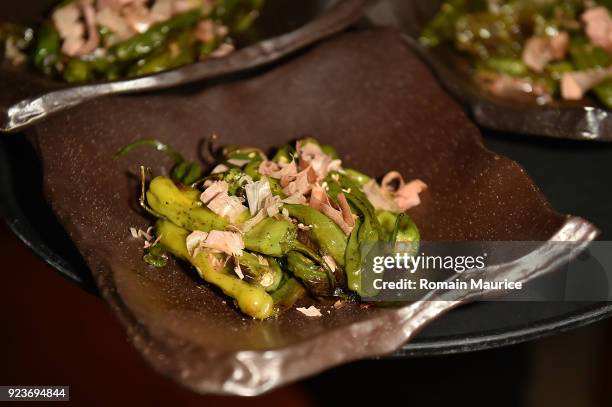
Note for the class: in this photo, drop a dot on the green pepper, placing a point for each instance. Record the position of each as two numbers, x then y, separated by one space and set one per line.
505 66
47 51
252 300
343 183
398 227
184 171
146 43
311 274
287 295
207 48
187 172
276 187
266 275
557 69
87 68
586 56
352 260
371 229
234 177
235 152
405 230
272 237
388 222
167 58
330 239
441 28
238 15
356 176
77 71
252 170
182 206
484 35
156 256
284 154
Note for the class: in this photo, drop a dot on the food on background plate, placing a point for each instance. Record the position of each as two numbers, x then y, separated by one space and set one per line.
88 40
268 231
542 50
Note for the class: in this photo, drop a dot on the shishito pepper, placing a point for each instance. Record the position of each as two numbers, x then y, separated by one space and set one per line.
310 273
587 56
238 15
175 53
264 271
328 237
272 237
280 257
251 299
284 154
352 260
147 42
287 294
47 51
182 206
184 171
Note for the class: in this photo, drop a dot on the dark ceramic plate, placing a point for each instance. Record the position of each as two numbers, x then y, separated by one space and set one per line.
585 120
473 327
283 28
373 113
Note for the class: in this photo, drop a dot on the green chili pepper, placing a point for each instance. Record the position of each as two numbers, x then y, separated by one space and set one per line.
207 48
388 223
356 176
144 44
272 237
47 51
343 183
502 39
405 230
156 256
187 172
310 273
330 151
330 239
287 295
169 57
182 206
235 152
238 15
184 171
442 27
352 261
86 68
267 275
276 187
252 170
252 300
234 178
505 66
586 56
156 144
284 154
78 70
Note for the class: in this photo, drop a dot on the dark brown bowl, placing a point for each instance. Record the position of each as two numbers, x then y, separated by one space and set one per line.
584 120
283 28
368 94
